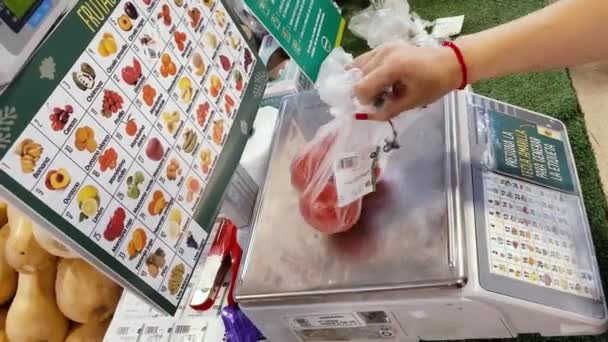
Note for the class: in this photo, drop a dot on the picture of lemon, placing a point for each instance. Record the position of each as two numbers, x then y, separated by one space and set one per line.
89 207
174 230
87 192
175 216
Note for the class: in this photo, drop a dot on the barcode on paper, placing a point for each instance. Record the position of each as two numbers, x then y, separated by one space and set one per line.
151 331
123 331
182 329
348 163
304 323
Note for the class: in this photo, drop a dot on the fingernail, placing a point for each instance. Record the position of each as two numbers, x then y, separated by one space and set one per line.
361 116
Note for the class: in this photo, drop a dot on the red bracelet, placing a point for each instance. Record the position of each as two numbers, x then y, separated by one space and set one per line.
463 65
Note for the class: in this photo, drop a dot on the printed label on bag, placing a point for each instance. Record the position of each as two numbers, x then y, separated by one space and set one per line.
354 175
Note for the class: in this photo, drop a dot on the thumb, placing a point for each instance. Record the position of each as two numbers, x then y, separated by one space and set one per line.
393 106
375 84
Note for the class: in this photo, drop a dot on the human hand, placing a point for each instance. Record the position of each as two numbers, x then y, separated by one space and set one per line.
416 76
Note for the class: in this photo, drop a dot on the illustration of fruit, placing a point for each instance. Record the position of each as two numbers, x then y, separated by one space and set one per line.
116 225
202 113
155 149
149 93
195 17
60 117
234 40
216 85
157 204
165 15
206 157
208 3
131 11
186 93
191 242
167 66
131 74
131 127
85 78
124 22
156 262
57 179
107 45
176 278
88 202
178 3
228 104
211 39
238 80
172 120
108 160
173 169
147 2
133 183
150 44
175 221
225 62
218 131
30 152
85 139
112 103
137 243
220 18
190 140
179 38
198 64
248 59
193 186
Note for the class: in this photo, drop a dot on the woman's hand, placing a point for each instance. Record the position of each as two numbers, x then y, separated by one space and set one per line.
417 76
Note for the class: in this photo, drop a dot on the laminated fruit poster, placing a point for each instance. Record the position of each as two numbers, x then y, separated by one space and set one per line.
123 131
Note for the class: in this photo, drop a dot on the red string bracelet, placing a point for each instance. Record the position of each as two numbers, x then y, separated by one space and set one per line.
463 65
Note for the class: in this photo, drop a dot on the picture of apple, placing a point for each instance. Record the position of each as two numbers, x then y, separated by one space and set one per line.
155 149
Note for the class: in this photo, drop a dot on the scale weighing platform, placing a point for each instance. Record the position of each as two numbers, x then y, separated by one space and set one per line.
477 230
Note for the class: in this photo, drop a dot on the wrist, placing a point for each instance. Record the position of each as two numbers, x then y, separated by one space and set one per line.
450 67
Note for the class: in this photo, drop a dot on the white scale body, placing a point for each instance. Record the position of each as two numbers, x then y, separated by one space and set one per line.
22 33
420 265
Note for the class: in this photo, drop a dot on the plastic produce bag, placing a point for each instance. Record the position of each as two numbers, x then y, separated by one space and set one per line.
342 163
390 21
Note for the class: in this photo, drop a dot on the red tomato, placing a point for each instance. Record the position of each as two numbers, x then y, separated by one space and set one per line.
306 163
320 210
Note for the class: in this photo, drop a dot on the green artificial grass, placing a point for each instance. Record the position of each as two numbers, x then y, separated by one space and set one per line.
550 93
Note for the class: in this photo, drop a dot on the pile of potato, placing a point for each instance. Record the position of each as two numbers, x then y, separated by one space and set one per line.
47 293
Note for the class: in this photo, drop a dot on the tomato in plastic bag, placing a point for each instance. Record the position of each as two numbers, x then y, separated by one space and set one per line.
306 163
321 211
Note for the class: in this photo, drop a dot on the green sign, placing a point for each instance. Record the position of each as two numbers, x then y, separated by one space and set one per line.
307 30
525 150
123 131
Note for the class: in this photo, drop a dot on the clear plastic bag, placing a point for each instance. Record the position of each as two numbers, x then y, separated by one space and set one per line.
390 21
342 145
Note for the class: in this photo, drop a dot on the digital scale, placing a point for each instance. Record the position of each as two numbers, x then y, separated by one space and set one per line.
23 26
476 230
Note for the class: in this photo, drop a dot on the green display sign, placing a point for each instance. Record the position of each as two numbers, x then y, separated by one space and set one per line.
526 150
123 131
307 30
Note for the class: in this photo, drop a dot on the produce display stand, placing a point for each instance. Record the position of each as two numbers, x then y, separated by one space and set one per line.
138 122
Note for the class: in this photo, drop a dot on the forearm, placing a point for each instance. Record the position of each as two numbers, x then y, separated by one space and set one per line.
561 35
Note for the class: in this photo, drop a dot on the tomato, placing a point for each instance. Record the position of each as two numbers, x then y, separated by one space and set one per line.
306 163
321 211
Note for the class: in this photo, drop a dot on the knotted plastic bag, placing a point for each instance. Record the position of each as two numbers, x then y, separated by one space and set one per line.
343 162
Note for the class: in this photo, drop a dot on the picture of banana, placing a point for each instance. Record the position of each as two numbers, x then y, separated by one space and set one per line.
190 140
30 152
171 120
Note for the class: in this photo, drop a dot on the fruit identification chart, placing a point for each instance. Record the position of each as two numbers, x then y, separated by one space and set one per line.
124 131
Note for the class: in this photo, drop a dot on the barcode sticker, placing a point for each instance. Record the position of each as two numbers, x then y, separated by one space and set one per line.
122 331
151 330
182 329
348 163
354 175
